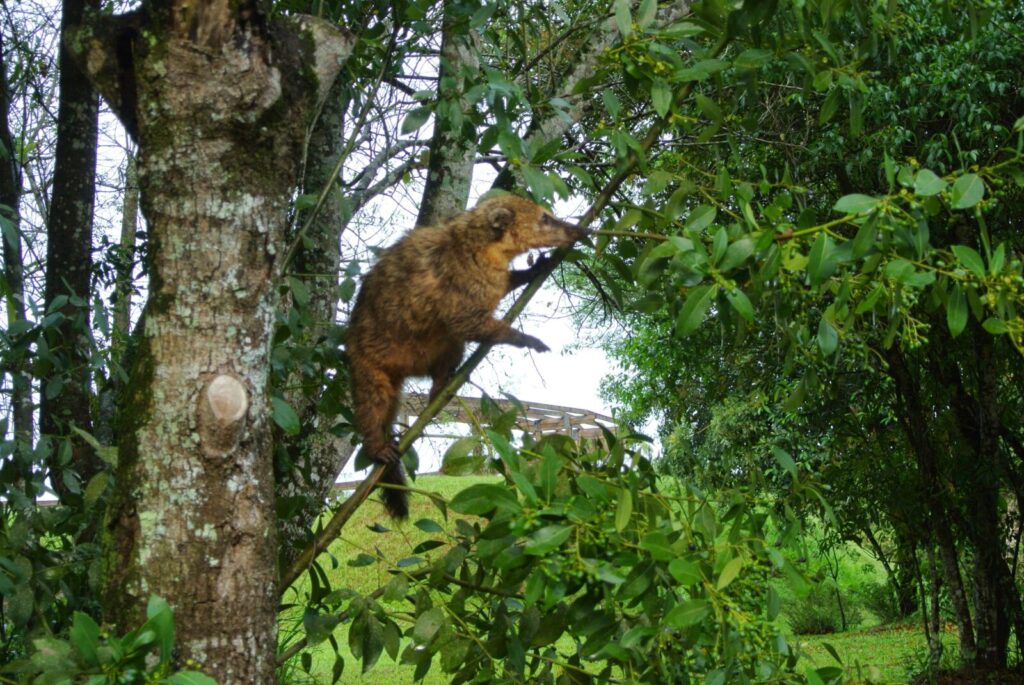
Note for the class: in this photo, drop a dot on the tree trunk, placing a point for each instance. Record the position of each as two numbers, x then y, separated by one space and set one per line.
934 635
120 331
13 268
122 317
316 456
453 146
69 266
914 421
997 600
218 97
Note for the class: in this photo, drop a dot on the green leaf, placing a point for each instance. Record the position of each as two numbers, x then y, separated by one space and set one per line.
709 107
694 309
956 311
611 103
161 621
812 677
855 204
828 338
428 526
865 238
547 539
685 572
482 498
305 201
831 650
95 488
998 259
645 15
427 625
540 185
716 677
624 510
785 460
737 254
752 58
995 326
190 678
284 416
774 603
347 289
85 638
829 106
719 244
968 191
926 183
459 459
700 218
821 262
661 97
688 613
622 18
741 303
414 119
730 572
299 291
969 259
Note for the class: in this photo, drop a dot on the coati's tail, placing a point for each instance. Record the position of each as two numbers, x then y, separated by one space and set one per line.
395 501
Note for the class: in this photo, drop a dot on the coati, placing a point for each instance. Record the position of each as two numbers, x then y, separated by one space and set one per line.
426 297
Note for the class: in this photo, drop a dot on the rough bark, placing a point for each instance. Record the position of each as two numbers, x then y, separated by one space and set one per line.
453 145
69 260
218 96
316 456
13 267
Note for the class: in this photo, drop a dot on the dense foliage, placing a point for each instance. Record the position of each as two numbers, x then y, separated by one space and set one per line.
893 261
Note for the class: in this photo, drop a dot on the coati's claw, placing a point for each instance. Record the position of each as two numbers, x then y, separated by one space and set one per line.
388 455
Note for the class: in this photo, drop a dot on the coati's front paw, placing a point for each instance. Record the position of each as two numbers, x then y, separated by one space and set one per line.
535 343
388 455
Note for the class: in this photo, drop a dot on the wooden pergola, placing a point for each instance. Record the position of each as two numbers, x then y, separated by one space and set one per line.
537 418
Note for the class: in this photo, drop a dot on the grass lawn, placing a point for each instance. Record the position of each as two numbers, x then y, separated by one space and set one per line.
887 655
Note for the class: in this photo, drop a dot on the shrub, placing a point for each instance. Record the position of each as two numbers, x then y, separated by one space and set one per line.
818 612
878 598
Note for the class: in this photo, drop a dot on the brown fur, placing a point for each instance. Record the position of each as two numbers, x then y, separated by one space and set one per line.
427 296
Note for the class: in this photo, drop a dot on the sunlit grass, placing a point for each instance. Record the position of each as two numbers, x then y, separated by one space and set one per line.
888 655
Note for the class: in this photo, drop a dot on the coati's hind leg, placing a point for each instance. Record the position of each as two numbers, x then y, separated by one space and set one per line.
375 396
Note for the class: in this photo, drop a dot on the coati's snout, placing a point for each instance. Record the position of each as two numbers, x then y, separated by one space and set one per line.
521 225
571 231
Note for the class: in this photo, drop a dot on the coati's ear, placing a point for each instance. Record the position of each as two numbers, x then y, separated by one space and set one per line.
499 218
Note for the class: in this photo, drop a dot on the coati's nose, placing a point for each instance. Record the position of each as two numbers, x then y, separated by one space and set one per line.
574 229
